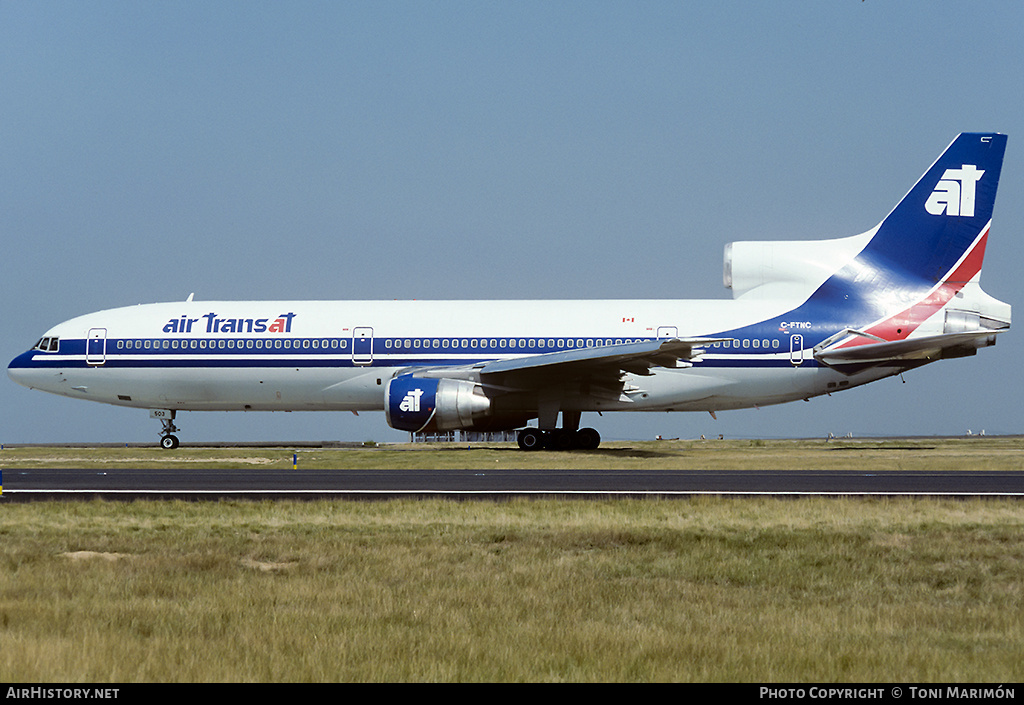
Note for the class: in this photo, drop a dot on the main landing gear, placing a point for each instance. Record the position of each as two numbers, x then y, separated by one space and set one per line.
168 441
569 437
559 439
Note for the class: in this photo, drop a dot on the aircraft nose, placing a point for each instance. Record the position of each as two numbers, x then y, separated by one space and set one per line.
21 370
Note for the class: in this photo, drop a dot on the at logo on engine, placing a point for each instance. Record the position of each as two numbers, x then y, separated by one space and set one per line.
411 401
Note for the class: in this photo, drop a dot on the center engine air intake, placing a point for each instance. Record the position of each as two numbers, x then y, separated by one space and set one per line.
421 404
794 268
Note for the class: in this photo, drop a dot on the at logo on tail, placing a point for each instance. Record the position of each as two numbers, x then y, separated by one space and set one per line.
954 194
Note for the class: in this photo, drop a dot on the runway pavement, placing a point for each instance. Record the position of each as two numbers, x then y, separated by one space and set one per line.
46 484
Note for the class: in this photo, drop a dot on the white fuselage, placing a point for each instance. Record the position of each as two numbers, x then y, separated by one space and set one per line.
324 355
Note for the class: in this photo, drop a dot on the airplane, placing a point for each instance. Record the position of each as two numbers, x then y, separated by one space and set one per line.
807 318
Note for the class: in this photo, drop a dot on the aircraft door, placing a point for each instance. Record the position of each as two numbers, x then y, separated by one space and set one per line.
796 349
667 332
362 346
96 346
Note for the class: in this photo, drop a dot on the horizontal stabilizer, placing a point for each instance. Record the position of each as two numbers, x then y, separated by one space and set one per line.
910 349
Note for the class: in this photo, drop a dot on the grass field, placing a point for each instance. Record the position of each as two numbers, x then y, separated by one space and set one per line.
706 589
979 453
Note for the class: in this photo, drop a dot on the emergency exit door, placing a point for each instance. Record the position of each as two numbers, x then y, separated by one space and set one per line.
362 346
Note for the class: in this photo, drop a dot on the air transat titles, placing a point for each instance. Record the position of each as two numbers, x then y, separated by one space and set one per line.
281 324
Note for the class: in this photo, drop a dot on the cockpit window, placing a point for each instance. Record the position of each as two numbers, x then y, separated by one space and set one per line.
48 344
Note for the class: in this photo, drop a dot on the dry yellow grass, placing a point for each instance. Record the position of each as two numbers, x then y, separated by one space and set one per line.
973 453
684 590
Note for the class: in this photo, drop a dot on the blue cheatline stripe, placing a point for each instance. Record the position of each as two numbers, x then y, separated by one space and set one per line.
243 361
334 346
770 341
387 352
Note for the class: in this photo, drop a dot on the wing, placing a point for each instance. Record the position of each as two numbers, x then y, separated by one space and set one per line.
601 363
635 358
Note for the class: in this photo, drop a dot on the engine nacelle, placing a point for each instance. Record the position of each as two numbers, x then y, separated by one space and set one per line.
795 267
421 404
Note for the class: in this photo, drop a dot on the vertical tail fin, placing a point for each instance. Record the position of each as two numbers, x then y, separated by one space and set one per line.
911 284
944 216
934 237
924 258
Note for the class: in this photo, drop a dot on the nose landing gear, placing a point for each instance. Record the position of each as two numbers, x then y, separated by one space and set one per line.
168 441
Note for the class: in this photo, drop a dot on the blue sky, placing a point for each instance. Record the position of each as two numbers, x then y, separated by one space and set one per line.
464 150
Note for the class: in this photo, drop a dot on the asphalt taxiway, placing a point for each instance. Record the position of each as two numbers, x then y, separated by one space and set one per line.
254 483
